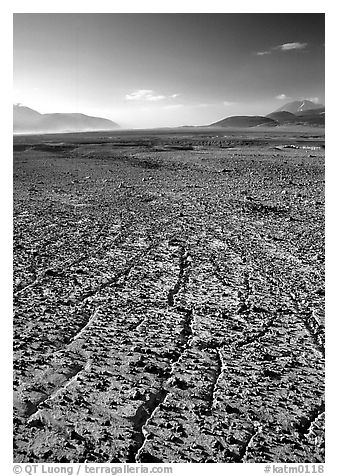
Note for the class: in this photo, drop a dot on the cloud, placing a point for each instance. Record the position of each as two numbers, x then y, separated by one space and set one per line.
144 95
291 46
315 99
147 95
214 104
284 47
173 106
282 97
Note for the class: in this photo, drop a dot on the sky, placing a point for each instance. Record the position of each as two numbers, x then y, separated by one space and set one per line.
158 70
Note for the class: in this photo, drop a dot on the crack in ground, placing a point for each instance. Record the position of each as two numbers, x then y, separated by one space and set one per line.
113 281
244 452
315 330
264 330
306 424
186 331
313 424
312 326
217 375
182 276
117 276
143 415
72 377
33 406
30 285
59 273
123 274
33 410
147 409
81 331
52 272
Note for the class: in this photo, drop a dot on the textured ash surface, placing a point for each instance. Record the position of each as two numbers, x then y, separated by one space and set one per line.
168 303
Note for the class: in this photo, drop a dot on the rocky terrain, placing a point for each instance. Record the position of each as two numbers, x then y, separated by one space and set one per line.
169 298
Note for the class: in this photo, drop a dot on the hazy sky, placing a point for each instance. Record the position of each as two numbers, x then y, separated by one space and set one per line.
147 70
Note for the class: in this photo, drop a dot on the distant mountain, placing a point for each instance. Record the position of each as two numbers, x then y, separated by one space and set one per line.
24 117
305 113
245 121
306 117
299 106
26 120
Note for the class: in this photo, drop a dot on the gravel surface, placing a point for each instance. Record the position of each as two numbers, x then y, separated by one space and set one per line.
169 300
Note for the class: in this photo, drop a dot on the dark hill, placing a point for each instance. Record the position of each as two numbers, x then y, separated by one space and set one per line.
244 121
311 112
283 117
311 119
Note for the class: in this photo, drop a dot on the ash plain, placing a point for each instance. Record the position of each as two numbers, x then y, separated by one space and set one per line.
169 296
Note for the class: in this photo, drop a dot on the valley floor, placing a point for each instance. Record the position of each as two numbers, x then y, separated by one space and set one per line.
169 299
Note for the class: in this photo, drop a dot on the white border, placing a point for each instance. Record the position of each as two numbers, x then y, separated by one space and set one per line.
69 6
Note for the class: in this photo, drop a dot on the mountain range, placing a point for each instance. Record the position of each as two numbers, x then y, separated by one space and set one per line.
26 120
302 112
300 106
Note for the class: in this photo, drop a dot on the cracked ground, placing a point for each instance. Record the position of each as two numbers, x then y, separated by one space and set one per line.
169 298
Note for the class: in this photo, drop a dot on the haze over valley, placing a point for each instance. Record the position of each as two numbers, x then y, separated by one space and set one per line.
26 120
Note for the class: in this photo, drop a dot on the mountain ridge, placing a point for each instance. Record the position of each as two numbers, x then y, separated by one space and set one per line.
306 113
300 105
27 120
244 121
